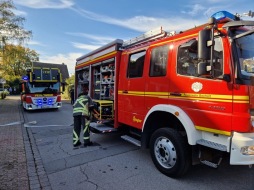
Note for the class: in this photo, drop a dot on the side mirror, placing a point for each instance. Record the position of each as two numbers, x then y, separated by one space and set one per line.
203 68
204 44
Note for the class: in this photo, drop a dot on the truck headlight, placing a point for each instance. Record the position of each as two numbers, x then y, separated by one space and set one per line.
247 150
252 120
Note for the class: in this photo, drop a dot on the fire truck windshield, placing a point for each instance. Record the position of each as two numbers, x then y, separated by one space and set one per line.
244 40
42 87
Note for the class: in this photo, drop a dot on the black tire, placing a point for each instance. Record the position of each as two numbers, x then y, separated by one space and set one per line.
170 152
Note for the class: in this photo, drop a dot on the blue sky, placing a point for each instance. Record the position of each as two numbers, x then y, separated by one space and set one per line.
64 30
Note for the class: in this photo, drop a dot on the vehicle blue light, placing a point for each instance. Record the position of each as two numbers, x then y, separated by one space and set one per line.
25 77
224 16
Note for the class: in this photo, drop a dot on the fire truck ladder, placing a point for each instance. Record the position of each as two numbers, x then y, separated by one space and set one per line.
146 37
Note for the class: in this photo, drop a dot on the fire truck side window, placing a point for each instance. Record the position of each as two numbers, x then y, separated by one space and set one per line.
158 63
136 65
218 57
187 58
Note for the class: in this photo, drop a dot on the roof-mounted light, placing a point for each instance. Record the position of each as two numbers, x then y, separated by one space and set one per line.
224 16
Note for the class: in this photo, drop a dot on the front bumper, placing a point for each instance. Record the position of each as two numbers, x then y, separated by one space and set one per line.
239 142
36 107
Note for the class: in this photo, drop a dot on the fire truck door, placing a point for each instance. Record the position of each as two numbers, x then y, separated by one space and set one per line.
131 91
157 82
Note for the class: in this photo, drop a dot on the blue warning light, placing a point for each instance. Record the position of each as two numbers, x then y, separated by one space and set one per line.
224 16
25 77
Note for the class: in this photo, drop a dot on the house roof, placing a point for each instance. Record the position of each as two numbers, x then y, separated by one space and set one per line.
62 67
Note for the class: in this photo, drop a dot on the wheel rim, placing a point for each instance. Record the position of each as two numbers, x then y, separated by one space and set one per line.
165 152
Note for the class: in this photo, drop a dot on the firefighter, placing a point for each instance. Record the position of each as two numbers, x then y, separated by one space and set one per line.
82 116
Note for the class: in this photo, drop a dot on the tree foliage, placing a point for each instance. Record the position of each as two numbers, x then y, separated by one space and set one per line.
14 59
11 25
17 60
70 84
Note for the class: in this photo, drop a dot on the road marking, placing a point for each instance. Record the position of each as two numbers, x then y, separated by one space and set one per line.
13 123
46 125
32 124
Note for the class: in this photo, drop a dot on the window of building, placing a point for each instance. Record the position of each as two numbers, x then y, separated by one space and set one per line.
159 59
136 65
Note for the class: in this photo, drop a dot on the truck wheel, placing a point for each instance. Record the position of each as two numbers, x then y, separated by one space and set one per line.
170 152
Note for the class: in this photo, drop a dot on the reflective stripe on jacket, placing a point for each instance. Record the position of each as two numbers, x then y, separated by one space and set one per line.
80 106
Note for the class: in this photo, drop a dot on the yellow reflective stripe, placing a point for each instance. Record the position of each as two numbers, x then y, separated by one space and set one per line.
80 107
83 105
172 40
78 110
92 60
81 100
75 138
86 129
227 133
189 96
84 111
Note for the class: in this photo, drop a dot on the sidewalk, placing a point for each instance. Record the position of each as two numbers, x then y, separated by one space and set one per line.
13 162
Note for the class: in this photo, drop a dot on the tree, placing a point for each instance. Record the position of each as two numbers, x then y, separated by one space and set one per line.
14 59
11 25
17 60
11 28
70 84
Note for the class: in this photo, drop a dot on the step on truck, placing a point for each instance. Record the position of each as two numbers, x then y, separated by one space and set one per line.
41 89
188 96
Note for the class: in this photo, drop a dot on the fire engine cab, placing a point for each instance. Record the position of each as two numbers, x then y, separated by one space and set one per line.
41 89
188 96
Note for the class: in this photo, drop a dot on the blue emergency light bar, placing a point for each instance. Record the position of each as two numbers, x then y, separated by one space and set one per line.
224 16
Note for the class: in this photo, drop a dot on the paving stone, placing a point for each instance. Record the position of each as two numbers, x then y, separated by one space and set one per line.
12 149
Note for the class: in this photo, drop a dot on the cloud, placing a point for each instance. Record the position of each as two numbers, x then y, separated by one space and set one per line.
45 4
98 40
194 9
32 42
85 46
68 59
142 23
218 1
19 13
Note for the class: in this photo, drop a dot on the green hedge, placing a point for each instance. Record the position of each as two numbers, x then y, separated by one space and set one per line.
2 95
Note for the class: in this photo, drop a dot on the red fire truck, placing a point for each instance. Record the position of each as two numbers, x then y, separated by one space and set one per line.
41 89
188 96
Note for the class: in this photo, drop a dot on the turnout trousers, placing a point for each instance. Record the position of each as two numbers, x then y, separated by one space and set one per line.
79 123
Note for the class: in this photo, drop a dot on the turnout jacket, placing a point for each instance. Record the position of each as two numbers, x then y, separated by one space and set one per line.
81 105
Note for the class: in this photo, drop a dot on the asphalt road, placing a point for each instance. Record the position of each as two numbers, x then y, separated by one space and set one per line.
115 164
